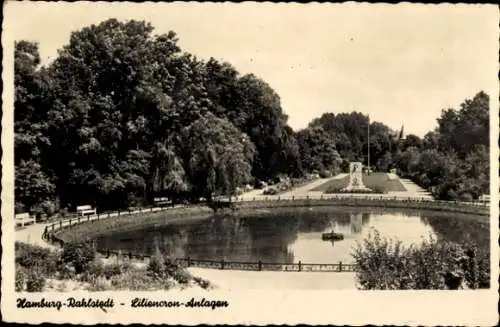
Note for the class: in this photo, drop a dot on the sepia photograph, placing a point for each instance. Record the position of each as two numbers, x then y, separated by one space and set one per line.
182 155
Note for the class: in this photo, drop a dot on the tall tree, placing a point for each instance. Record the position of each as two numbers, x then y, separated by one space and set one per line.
33 183
317 149
217 155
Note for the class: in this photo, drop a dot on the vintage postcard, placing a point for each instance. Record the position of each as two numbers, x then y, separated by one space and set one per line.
250 163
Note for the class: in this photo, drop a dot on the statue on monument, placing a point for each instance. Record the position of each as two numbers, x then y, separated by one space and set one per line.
356 178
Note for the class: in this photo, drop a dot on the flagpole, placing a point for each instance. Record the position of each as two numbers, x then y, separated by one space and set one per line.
368 144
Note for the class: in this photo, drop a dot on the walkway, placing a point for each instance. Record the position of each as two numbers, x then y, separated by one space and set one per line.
412 190
305 189
270 280
32 234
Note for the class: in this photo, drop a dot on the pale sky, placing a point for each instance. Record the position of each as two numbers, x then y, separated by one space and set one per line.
399 64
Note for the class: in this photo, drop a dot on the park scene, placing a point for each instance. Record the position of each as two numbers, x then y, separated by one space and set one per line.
142 166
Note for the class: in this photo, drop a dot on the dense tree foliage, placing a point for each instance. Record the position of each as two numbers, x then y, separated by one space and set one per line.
317 150
452 161
347 133
123 115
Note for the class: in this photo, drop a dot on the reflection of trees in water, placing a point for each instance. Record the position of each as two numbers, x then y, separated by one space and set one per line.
356 222
315 222
267 238
173 242
219 238
272 236
365 218
460 230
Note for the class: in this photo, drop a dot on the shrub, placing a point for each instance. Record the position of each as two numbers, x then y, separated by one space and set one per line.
32 257
20 278
94 270
338 190
182 276
385 265
135 280
270 191
466 197
157 265
34 282
80 255
205 284
378 189
99 284
115 269
325 174
65 271
19 207
46 208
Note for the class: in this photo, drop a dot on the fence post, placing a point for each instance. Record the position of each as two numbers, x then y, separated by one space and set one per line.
60 224
130 255
300 265
53 225
340 266
107 253
88 217
79 219
188 261
222 264
260 265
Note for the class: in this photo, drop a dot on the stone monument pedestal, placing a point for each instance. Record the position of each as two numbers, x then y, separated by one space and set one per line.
356 178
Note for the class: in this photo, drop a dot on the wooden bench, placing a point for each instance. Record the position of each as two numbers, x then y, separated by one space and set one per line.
23 219
85 210
484 198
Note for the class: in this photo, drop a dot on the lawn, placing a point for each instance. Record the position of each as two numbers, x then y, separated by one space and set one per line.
375 180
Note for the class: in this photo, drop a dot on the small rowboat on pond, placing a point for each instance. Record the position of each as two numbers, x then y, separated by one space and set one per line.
332 236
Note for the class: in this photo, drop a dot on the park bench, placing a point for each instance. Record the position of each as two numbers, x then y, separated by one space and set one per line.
485 198
85 210
23 219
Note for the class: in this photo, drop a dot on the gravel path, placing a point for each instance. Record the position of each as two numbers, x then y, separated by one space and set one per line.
32 234
271 280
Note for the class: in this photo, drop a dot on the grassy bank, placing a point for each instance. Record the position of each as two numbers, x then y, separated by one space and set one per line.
371 203
122 223
374 181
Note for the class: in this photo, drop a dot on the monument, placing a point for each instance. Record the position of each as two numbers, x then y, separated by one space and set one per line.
356 178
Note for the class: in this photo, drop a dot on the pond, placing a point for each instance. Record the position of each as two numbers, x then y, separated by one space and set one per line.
287 236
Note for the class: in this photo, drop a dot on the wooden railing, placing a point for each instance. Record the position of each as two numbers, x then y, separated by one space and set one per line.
237 265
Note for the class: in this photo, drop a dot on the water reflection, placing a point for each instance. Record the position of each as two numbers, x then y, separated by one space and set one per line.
288 237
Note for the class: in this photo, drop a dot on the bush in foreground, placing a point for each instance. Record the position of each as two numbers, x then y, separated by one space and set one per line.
38 269
80 255
384 264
